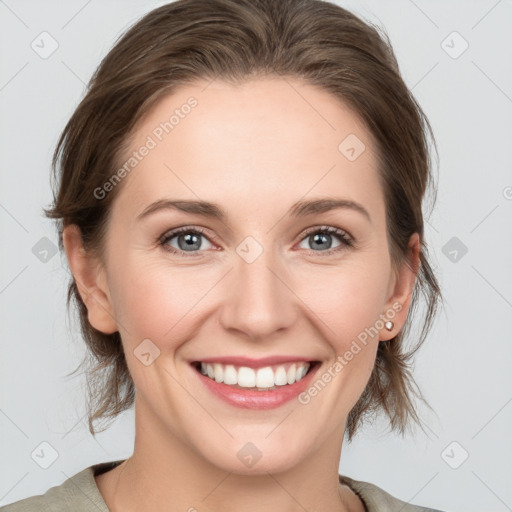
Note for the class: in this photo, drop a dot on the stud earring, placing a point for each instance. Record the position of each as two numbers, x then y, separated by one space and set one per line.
389 325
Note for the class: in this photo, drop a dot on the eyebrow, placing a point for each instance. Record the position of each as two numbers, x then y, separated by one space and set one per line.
207 209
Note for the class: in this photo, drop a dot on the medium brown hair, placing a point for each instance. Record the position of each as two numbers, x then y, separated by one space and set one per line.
233 40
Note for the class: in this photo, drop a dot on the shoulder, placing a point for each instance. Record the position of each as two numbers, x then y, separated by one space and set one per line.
378 500
78 493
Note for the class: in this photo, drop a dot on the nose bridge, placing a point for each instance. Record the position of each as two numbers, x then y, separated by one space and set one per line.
258 301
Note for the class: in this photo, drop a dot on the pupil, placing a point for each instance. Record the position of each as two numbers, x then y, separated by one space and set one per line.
321 237
190 240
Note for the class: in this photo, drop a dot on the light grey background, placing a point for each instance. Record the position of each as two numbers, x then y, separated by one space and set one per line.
464 367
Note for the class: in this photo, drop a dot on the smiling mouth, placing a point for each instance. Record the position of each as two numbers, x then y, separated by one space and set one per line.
266 378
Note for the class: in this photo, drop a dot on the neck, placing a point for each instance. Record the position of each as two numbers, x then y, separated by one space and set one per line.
165 469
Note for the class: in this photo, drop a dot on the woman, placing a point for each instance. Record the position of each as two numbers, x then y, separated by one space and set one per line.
240 202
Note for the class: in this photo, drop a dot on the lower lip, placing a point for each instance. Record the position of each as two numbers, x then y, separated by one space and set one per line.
250 399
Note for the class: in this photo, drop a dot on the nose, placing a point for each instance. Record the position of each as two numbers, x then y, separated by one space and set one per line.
259 299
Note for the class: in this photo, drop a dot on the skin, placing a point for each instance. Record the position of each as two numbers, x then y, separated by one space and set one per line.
254 149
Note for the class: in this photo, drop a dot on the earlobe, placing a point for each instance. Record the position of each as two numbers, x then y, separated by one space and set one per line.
397 306
88 274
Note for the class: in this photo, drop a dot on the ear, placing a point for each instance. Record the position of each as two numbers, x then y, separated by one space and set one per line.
400 290
91 282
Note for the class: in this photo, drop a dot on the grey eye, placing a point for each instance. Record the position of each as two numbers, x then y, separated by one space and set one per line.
188 241
321 240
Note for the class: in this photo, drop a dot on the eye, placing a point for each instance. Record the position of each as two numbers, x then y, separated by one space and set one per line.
188 240
321 240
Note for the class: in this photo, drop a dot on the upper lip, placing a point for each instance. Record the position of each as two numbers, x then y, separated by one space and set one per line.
254 363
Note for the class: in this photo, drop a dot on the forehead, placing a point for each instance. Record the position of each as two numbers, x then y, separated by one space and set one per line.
265 140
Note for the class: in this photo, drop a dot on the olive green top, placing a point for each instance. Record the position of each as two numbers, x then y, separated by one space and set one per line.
81 494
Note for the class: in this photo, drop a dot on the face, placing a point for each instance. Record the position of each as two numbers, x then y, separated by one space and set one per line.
269 278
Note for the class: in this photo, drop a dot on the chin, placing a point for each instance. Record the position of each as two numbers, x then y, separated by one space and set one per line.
257 457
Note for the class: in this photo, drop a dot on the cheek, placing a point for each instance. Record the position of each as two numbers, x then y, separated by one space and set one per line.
347 300
348 306
166 303
156 301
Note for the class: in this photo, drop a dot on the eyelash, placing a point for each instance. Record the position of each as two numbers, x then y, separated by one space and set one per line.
346 240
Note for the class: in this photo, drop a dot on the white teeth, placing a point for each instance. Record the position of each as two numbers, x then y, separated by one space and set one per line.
263 378
218 372
246 377
291 374
280 376
230 374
